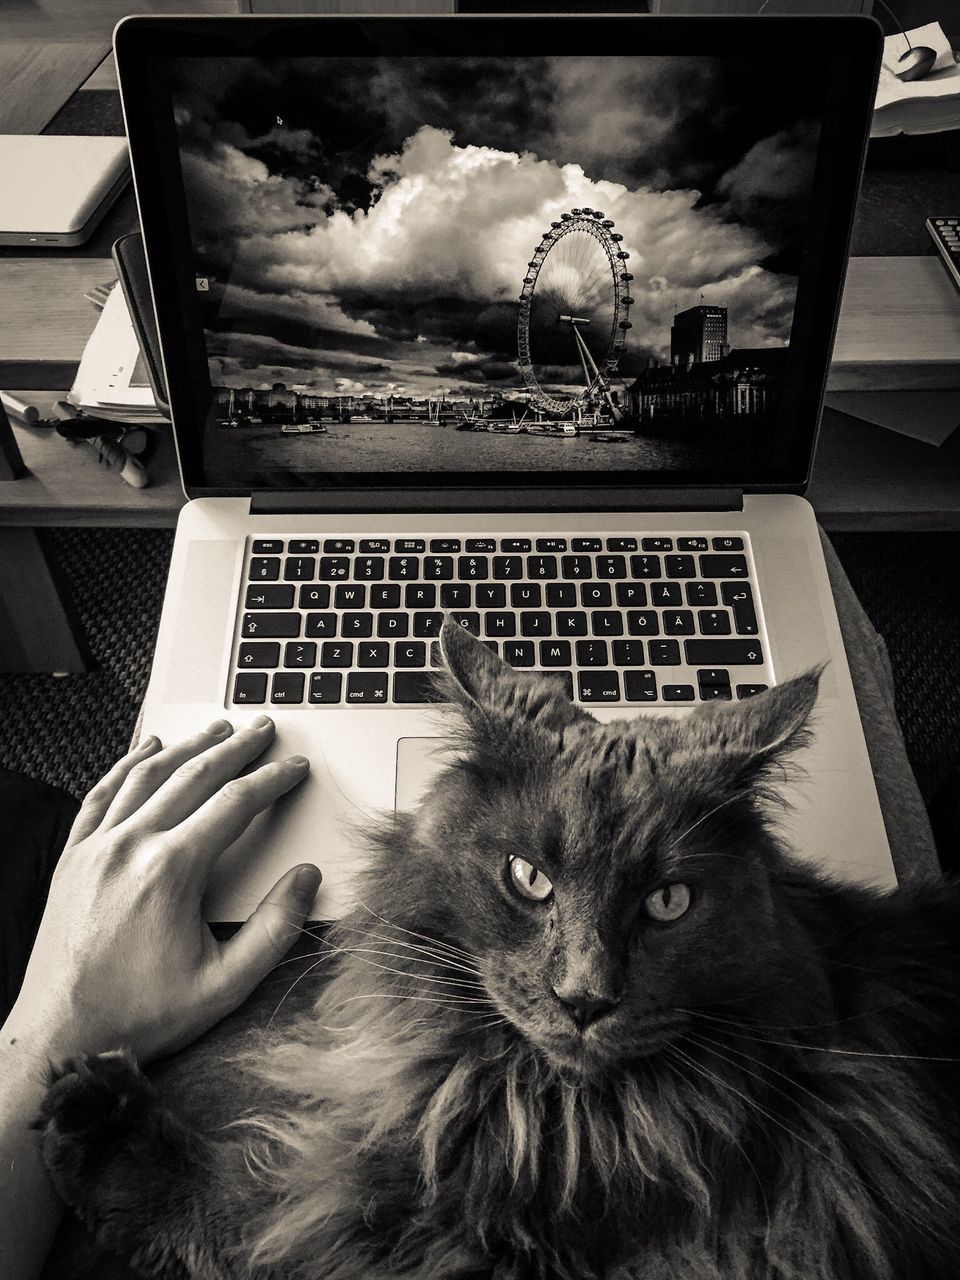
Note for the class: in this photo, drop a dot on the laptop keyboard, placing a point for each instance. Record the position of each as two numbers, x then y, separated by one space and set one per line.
616 620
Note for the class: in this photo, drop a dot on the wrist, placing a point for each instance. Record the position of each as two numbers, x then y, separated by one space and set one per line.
30 1039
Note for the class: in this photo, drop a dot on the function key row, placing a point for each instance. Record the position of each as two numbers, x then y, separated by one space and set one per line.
447 546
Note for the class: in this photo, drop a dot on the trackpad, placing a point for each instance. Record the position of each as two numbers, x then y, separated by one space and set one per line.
419 760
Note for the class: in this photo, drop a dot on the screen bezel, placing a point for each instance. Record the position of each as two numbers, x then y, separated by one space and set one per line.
855 45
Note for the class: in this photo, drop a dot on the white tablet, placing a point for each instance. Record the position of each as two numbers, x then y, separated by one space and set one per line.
54 190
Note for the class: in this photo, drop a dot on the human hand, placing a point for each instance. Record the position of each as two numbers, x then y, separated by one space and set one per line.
123 955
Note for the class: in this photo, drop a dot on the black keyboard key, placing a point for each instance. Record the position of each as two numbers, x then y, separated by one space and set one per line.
339 547
403 567
611 567
628 653
501 625
325 686
393 626
631 595
267 546
529 595
724 653
598 686
571 623
666 593
264 569
436 657
491 595
555 653
518 653
301 654
427 624
678 692
592 653
750 690
595 595
314 597
409 546
368 568
374 653
473 545
640 686
646 567
385 597
726 543
587 544
356 625
269 596
303 546
678 622
680 566
715 693
664 653
723 566
536 624
414 686
541 566
250 686
456 595
469 621
336 653
299 568
563 678
287 687
607 623
739 596
422 595
493 646
713 622
643 622
692 544
512 546
409 653
561 595
438 567
713 683
471 567
321 624
349 595
555 545
576 566
331 567
260 626
701 593
258 655
656 544
374 546
442 546
621 544
367 686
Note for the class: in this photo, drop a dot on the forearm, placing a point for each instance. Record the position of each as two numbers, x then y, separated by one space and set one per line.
30 1208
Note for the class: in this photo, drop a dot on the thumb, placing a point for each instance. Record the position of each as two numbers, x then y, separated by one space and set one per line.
270 932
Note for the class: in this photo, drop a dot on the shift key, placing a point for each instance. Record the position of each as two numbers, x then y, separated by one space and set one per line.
723 653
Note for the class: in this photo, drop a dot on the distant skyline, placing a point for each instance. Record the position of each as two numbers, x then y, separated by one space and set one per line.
383 252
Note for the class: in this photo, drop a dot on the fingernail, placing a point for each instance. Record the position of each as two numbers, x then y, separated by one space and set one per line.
298 762
307 881
261 722
149 742
218 727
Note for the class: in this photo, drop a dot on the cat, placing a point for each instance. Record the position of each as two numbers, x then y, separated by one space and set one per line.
591 1020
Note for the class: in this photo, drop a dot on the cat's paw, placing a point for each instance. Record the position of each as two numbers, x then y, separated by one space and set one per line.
91 1107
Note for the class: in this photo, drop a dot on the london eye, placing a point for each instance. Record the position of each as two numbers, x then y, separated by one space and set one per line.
574 314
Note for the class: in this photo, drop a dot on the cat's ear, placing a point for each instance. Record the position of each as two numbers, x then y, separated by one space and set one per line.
491 692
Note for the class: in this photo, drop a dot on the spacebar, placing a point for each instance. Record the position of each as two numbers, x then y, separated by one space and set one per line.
723 653
414 686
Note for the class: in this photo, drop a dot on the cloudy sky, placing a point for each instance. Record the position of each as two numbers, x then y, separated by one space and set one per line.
366 223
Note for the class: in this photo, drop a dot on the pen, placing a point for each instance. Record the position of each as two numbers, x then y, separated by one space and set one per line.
25 412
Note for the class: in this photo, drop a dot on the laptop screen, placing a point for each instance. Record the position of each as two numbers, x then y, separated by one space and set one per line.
530 266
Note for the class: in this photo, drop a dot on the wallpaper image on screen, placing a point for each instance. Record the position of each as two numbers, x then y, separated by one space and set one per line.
493 264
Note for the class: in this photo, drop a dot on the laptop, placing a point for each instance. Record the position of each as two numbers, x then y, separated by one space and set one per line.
520 321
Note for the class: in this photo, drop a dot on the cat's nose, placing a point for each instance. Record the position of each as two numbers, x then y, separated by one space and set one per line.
585 1008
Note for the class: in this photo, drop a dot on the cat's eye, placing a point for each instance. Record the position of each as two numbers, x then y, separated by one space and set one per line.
529 881
669 902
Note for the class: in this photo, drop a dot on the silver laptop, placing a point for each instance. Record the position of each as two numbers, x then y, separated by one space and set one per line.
520 321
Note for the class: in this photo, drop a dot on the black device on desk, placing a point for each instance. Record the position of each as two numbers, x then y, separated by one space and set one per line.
945 234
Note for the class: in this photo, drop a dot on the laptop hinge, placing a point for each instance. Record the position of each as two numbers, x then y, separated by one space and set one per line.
462 501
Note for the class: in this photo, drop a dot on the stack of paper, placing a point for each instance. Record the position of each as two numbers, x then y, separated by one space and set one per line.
112 381
930 105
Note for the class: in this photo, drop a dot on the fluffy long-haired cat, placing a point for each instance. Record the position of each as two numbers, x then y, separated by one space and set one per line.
591 1020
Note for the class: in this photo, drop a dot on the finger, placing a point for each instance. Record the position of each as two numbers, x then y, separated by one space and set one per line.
193 780
98 800
269 933
200 839
144 780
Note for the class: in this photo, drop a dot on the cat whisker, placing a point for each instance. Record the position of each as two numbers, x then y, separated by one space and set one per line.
450 1002
440 958
446 946
819 1048
709 814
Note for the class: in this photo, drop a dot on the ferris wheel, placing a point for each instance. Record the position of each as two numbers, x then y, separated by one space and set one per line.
574 313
